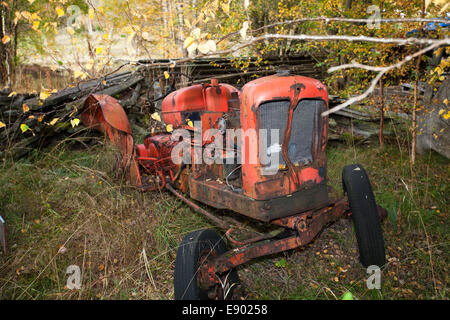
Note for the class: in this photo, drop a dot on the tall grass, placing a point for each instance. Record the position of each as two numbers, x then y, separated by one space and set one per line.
63 208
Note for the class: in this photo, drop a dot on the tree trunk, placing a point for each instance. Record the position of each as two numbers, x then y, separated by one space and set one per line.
414 111
348 4
6 57
381 136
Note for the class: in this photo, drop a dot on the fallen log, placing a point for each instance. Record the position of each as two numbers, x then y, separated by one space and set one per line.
74 93
31 123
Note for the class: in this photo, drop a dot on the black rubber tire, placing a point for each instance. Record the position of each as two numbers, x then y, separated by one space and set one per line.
364 215
186 264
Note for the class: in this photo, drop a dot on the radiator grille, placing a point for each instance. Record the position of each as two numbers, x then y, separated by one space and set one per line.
273 115
303 120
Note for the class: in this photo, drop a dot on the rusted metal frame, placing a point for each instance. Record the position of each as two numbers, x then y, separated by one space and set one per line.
131 164
205 278
178 174
317 134
287 135
104 113
221 196
171 175
147 159
307 227
337 209
244 254
159 172
222 224
285 145
262 237
156 162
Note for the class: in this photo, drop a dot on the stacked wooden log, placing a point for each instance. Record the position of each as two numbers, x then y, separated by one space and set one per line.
29 120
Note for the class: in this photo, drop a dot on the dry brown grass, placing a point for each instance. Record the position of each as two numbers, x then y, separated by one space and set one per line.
63 208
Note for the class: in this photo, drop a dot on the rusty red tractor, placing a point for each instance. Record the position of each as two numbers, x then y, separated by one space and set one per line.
278 180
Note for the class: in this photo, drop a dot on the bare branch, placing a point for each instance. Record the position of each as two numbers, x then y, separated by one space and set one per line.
355 64
381 72
351 20
348 20
398 41
305 37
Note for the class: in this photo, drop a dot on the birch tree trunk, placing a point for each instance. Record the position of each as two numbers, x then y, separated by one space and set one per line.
416 85
6 58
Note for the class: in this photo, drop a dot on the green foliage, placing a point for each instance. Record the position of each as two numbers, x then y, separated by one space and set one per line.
281 263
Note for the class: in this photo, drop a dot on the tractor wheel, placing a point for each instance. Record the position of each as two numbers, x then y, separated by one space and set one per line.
364 215
190 281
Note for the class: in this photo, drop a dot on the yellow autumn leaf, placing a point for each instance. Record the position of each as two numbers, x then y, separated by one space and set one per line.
6 39
36 24
188 24
2 125
44 95
26 15
60 12
41 118
169 128
447 115
190 124
99 50
79 74
446 101
91 13
12 94
188 42
24 127
226 7
166 75
74 122
90 65
25 108
155 116
54 121
105 36
70 31
35 16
